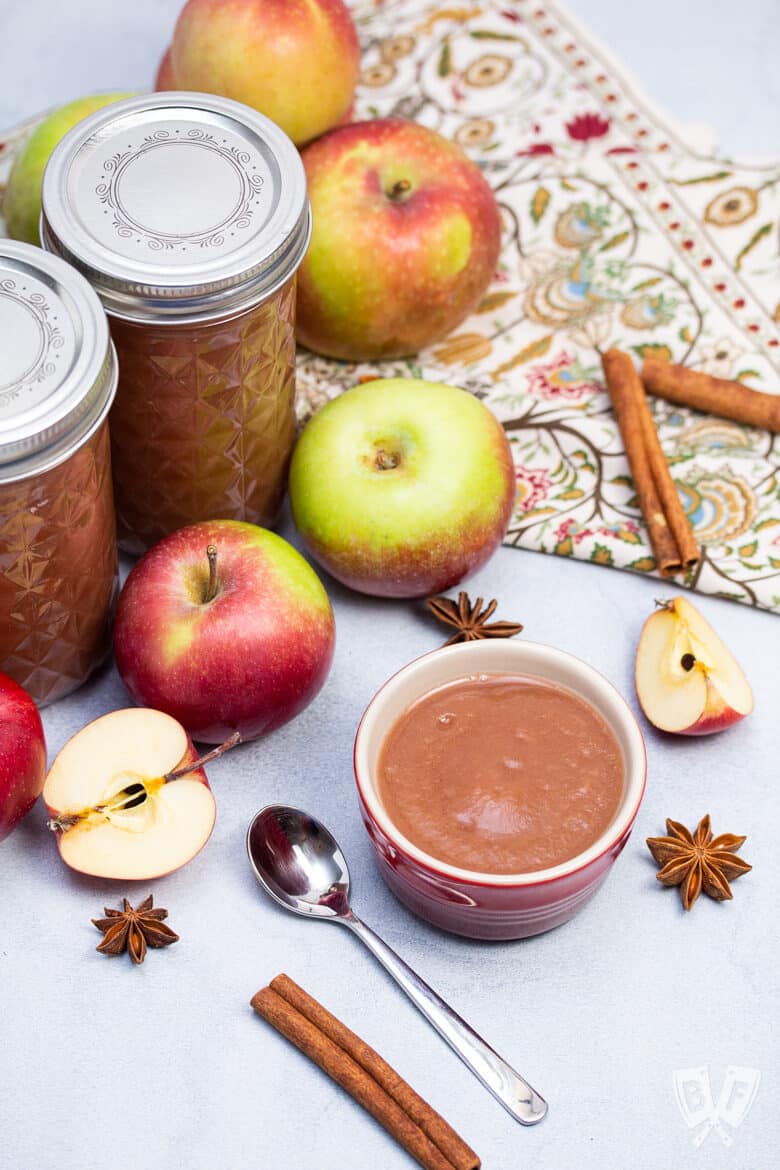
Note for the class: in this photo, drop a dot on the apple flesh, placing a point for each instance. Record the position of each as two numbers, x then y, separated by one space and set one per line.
22 202
226 627
406 236
400 487
22 754
296 61
687 681
115 813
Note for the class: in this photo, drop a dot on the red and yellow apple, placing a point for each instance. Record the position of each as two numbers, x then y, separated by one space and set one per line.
400 487
22 200
165 78
115 804
22 754
687 681
226 627
296 61
406 236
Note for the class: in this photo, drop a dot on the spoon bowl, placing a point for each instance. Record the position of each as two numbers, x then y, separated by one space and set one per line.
298 862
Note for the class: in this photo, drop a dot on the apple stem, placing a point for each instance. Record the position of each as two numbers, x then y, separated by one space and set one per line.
399 189
201 761
62 824
211 587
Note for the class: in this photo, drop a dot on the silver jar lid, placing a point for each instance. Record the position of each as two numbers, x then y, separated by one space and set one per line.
57 366
177 205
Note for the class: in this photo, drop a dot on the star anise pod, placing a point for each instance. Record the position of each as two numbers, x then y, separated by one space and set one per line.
470 620
698 861
133 930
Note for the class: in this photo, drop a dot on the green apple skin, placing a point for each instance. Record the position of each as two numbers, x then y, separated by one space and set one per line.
22 202
248 660
296 61
406 238
400 487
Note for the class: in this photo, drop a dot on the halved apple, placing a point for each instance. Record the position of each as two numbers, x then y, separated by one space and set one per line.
687 681
127 797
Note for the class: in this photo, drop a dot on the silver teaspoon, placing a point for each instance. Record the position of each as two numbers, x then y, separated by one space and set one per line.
299 863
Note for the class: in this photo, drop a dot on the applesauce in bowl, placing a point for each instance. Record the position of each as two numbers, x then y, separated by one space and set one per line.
498 782
501 773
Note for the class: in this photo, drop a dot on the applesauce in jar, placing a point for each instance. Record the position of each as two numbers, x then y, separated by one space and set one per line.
188 214
58 558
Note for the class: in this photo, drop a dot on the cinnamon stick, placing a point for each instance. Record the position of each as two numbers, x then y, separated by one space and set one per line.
712 395
676 517
365 1076
671 538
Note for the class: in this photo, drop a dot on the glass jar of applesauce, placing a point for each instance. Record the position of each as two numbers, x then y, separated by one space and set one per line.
58 560
188 215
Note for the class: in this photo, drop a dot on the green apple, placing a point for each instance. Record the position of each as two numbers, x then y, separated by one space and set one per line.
400 487
405 240
22 203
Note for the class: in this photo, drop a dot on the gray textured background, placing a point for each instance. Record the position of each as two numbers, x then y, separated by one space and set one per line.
165 1067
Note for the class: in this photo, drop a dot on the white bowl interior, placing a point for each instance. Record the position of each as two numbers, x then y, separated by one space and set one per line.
484 657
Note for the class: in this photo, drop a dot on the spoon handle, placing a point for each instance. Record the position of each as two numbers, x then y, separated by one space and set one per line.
507 1086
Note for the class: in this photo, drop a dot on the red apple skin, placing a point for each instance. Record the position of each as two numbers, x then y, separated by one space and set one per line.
249 660
22 754
165 78
296 61
716 716
392 269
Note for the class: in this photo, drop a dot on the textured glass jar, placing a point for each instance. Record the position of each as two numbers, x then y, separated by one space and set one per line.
58 560
188 215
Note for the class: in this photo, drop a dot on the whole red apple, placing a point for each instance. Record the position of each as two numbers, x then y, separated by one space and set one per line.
22 754
225 627
296 61
400 487
406 237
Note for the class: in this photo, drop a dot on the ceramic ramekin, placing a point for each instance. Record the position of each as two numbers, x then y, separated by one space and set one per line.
484 905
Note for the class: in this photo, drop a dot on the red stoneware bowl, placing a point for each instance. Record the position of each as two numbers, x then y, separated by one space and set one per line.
484 905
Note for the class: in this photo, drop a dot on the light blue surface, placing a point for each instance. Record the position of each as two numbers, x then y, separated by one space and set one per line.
162 1067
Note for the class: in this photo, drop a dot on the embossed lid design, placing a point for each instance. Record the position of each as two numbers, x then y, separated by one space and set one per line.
177 205
57 366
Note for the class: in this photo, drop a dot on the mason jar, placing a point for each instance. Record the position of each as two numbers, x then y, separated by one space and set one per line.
58 558
188 214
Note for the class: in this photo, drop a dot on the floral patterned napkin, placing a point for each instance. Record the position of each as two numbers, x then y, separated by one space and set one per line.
620 229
